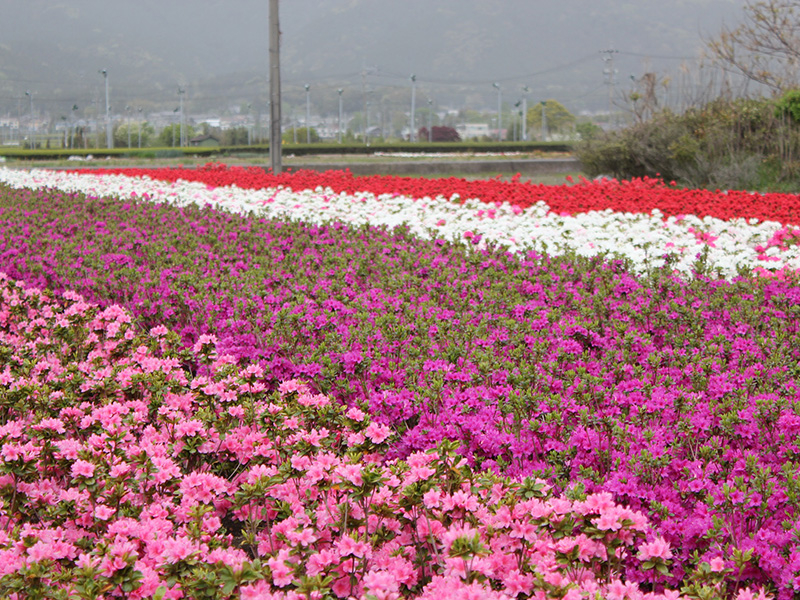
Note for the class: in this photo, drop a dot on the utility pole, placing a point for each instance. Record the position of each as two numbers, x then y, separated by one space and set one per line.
413 102
109 142
274 89
139 127
609 73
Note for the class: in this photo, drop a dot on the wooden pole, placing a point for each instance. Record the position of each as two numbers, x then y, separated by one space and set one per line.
274 89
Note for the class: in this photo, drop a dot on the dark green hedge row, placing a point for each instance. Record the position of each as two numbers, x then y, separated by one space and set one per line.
293 149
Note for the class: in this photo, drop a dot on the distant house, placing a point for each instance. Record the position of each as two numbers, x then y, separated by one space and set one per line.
204 141
467 131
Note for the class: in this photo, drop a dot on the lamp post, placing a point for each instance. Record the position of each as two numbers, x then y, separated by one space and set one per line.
430 120
249 126
525 90
367 125
308 113
339 91
139 126
30 124
413 102
499 112
128 124
72 127
181 92
109 143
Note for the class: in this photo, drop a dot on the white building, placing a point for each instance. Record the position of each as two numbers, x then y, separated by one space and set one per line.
468 131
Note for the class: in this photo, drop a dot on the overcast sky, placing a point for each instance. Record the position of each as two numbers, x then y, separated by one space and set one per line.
456 48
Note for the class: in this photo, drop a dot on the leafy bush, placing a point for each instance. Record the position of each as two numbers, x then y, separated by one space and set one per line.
724 144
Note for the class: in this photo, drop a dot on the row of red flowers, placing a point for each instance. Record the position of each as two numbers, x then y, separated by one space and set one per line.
637 196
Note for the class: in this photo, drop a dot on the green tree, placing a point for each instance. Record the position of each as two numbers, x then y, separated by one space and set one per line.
558 118
171 135
588 130
789 104
288 136
121 134
235 136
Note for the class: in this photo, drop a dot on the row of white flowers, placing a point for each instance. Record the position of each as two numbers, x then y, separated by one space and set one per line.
644 239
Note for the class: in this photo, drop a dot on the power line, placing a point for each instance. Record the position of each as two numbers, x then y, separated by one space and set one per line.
658 56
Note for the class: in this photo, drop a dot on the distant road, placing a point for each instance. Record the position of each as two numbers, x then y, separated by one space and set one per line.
525 166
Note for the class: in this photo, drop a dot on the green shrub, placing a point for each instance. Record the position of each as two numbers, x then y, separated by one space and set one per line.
741 143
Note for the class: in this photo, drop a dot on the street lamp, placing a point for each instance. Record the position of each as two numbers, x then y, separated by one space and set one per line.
413 102
368 97
339 91
109 143
544 122
139 126
128 124
499 112
308 114
430 120
72 127
30 124
181 92
525 90
249 126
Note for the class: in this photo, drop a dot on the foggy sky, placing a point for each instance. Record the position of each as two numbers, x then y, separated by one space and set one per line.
456 48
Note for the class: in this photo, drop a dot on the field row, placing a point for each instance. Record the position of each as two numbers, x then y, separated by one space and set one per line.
673 395
580 219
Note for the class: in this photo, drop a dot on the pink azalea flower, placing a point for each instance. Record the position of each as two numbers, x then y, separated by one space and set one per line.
282 574
351 473
104 512
82 468
381 585
658 548
377 432
717 564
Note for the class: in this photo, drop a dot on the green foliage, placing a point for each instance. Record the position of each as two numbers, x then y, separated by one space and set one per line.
789 105
588 130
558 118
171 134
724 144
235 136
121 134
301 133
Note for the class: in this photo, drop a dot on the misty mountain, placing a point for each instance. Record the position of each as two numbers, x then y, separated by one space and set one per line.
218 50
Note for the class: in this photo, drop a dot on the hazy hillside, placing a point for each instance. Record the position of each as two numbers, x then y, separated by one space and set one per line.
218 50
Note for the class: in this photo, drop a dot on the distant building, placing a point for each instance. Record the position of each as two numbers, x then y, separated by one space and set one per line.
468 131
205 141
9 123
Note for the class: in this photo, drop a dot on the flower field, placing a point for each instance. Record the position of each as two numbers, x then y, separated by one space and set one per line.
223 383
